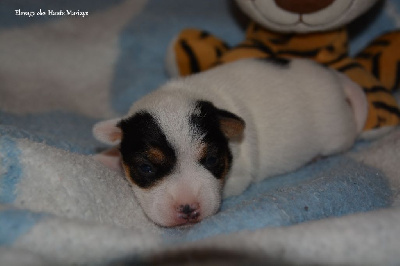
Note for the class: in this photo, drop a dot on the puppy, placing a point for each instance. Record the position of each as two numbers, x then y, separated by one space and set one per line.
207 136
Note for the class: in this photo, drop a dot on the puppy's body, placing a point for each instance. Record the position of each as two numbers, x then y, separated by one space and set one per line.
292 112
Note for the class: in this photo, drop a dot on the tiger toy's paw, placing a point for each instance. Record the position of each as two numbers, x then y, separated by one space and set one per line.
193 51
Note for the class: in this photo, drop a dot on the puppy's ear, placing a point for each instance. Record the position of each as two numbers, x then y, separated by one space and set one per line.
108 131
231 125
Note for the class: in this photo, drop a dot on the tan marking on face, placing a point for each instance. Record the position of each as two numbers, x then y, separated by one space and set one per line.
127 173
131 180
203 148
226 168
155 155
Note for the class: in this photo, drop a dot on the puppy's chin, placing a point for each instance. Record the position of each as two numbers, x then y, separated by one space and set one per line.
172 220
167 208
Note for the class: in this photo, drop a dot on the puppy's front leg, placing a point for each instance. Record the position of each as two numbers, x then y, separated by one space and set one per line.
237 181
110 158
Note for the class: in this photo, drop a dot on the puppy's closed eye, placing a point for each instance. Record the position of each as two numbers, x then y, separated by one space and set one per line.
210 161
216 160
142 172
146 168
148 163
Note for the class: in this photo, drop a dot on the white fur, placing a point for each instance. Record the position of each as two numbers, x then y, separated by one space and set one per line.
358 100
293 114
271 16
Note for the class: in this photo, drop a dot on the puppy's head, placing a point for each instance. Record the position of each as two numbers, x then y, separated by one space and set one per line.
177 158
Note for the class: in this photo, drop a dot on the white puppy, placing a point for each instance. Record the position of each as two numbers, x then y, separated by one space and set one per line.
199 138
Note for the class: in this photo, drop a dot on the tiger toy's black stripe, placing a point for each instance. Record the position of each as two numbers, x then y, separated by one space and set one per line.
390 109
380 43
306 54
257 45
376 89
194 64
376 65
284 39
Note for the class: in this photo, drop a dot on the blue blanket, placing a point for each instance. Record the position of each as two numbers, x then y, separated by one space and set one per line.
64 65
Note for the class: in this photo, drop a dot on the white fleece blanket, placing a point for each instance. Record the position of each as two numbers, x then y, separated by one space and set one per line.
60 72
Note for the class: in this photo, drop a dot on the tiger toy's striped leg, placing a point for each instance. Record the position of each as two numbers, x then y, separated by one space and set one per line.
194 51
382 58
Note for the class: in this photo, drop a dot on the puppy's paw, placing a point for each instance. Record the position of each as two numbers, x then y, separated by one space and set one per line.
235 185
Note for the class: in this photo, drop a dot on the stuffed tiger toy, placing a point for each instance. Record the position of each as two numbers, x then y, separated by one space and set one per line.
196 50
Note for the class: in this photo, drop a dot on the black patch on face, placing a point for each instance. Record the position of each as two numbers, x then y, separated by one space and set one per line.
141 136
218 158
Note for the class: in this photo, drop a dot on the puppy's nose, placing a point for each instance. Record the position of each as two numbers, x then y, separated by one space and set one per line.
189 212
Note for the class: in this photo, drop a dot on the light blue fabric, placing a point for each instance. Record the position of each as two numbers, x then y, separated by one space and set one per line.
12 174
159 23
14 223
63 130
